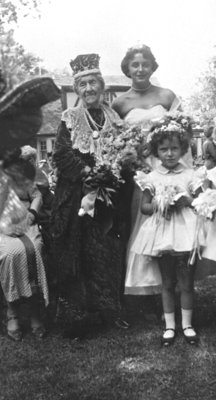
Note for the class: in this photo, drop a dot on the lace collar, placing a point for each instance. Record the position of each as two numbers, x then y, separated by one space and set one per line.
82 135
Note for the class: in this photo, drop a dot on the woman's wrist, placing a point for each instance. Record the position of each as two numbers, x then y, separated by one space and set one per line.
190 201
148 208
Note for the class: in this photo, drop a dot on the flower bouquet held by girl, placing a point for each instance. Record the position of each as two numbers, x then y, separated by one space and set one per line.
165 198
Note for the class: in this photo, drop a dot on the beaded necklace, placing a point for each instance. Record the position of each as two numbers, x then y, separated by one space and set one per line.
93 115
141 90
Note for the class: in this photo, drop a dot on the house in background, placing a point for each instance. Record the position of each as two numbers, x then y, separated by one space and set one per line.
47 134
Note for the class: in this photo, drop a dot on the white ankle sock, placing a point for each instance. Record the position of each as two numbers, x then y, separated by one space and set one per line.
187 321
170 324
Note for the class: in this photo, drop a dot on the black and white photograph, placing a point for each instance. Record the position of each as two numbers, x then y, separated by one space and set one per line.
107 200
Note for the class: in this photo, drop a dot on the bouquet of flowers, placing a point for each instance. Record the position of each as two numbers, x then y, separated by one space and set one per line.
101 184
165 199
119 147
114 149
205 204
132 147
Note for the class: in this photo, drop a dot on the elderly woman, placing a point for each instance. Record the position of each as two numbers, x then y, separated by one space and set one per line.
88 250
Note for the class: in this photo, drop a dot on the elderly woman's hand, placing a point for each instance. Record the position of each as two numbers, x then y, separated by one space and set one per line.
85 171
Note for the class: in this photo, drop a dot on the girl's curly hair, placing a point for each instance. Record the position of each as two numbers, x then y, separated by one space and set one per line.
172 125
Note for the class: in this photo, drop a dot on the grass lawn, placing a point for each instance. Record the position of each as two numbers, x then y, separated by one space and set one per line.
116 364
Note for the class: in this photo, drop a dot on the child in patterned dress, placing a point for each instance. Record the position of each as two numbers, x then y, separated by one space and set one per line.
169 231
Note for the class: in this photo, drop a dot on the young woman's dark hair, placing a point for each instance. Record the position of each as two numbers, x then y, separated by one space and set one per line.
145 51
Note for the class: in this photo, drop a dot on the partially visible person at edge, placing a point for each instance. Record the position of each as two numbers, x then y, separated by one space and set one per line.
88 256
22 270
209 147
142 104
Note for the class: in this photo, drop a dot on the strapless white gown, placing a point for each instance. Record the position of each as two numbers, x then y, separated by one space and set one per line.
140 115
142 272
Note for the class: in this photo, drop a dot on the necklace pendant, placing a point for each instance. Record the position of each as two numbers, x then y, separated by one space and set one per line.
95 135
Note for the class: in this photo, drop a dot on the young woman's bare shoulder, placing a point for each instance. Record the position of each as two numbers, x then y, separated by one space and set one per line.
167 93
119 103
166 96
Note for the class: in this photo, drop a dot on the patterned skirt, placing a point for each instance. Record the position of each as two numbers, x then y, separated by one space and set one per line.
22 270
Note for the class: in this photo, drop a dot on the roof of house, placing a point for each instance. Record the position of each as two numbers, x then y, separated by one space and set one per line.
65 80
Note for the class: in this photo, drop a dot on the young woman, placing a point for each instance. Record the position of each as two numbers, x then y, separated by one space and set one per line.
144 100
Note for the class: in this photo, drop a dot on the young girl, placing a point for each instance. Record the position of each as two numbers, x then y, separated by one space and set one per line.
22 271
205 179
168 232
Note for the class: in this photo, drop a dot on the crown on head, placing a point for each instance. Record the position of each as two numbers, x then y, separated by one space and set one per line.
85 64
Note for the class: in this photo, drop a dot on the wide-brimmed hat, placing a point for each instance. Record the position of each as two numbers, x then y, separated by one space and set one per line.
20 111
85 64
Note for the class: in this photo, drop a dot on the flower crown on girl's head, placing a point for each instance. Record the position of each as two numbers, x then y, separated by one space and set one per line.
171 124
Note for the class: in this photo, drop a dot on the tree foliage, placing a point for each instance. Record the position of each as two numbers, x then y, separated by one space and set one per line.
12 9
203 100
15 63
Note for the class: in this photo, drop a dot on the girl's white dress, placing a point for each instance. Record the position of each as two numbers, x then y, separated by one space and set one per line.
142 274
209 251
159 235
